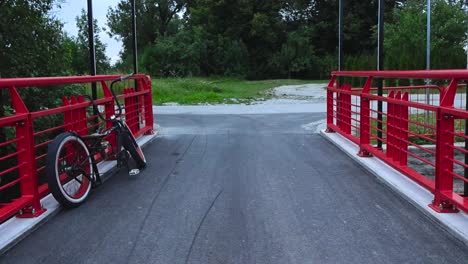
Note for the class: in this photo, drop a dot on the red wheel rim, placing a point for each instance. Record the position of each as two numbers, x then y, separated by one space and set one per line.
73 162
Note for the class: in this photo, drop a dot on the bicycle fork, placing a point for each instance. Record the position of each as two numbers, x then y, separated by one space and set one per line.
123 158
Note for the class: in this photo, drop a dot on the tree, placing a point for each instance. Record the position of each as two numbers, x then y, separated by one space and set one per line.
81 57
31 44
359 17
266 27
271 38
154 19
178 55
405 43
297 56
257 25
29 38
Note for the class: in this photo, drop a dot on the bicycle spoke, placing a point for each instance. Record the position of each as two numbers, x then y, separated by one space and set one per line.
85 160
76 179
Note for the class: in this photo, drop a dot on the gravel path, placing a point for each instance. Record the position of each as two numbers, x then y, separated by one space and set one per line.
308 92
307 98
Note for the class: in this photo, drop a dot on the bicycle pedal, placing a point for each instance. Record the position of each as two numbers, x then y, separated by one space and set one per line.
134 172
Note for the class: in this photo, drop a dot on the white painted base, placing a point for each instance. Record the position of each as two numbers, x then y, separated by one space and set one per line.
456 224
15 229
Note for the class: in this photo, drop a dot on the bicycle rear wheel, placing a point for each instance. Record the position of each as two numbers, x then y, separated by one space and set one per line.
69 169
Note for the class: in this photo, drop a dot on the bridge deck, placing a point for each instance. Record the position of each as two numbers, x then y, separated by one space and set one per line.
241 189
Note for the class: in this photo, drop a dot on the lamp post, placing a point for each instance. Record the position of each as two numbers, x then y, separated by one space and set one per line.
92 50
135 51
428 39
340 35
428 54
380 66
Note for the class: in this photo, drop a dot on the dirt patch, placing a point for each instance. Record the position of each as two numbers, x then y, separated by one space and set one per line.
307 98
308 92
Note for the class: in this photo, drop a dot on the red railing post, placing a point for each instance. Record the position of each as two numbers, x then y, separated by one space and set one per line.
390 126
445 131
404 131
127 106
397 126
130 113
136 112
74 114
149 119
339 108
83 120
346 106
109 109
364 139
26 157
330 112
67 115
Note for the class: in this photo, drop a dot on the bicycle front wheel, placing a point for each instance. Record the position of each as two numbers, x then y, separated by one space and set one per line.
69 169
129 143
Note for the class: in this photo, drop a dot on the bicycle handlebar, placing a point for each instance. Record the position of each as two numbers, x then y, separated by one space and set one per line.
95 108
121 78
125 77
115 97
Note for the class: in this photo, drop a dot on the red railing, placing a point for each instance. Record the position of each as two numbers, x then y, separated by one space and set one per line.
421 130
27 132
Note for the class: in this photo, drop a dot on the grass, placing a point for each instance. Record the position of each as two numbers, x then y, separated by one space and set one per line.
215 90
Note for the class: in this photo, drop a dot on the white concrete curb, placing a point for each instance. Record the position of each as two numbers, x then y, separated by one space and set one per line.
15 229
456 224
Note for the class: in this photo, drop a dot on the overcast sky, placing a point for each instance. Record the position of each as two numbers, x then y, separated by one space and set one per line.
72 8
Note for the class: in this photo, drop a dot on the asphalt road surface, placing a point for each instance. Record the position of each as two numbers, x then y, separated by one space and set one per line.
241 189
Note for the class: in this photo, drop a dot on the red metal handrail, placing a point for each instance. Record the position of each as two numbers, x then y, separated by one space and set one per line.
419 74
405 131
46 81
27 156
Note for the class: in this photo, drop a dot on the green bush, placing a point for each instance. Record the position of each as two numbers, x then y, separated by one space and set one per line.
173 56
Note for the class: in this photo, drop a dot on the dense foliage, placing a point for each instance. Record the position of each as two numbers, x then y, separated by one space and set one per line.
254 39
286 38
405 44
33 43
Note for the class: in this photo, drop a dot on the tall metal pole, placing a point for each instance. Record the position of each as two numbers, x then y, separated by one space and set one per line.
340 35
92 50
135 51
380 66
428 54
428 37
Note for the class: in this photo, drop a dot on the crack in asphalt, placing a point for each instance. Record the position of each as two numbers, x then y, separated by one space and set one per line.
200 225
153 202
